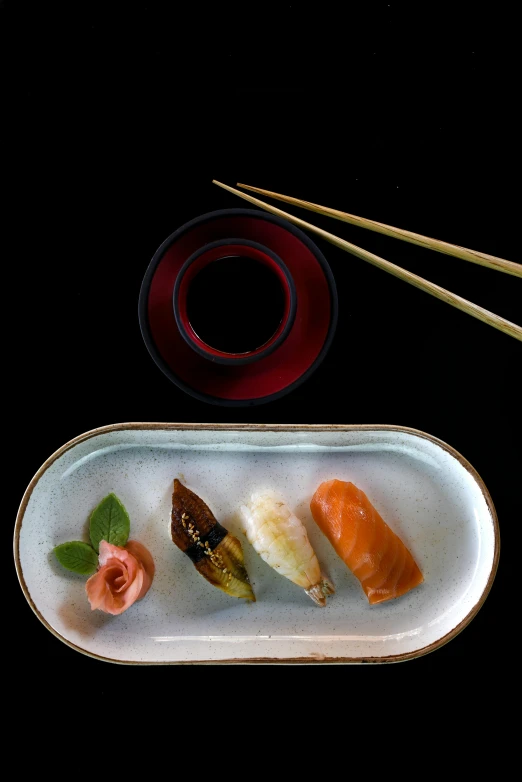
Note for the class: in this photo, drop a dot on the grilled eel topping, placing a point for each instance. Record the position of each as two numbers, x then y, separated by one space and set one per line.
216 554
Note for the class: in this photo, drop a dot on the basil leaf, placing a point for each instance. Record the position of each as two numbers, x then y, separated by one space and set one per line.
109 521
77 556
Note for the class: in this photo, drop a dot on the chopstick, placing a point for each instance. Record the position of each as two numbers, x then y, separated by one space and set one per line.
491 261
429 287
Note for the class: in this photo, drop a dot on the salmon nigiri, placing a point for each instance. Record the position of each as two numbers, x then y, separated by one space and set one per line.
363 540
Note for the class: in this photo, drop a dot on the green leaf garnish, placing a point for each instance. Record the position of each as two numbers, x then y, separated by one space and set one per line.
77 556
109 521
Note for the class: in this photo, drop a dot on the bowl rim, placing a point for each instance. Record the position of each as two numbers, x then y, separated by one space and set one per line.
149 274
270 345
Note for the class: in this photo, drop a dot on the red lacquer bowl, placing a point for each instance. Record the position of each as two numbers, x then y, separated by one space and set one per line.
207 255
281 370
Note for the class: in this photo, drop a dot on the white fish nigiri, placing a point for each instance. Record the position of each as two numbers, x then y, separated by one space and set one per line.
281 540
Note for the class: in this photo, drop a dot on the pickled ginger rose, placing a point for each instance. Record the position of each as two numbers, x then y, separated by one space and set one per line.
124 575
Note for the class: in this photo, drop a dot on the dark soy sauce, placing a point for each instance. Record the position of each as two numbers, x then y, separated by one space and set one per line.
235 304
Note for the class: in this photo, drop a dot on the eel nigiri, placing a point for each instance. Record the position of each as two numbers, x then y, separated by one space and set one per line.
281 540
360 536
215 552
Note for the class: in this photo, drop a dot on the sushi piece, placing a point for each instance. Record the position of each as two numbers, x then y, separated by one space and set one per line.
281 540
360 536
216 554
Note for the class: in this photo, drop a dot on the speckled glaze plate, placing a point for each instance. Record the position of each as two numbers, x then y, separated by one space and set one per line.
426 491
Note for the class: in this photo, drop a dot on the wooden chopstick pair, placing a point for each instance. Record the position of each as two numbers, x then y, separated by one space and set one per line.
419 282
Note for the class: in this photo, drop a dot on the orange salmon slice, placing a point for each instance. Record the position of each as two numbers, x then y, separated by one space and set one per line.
367 545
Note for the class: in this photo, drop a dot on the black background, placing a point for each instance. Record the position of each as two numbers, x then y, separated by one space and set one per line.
116 125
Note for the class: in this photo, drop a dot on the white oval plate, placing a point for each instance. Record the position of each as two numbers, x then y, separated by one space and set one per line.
426 491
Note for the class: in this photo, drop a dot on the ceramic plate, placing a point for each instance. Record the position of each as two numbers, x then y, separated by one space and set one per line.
426 491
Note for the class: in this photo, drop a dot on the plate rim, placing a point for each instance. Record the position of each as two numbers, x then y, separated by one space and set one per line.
250 427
